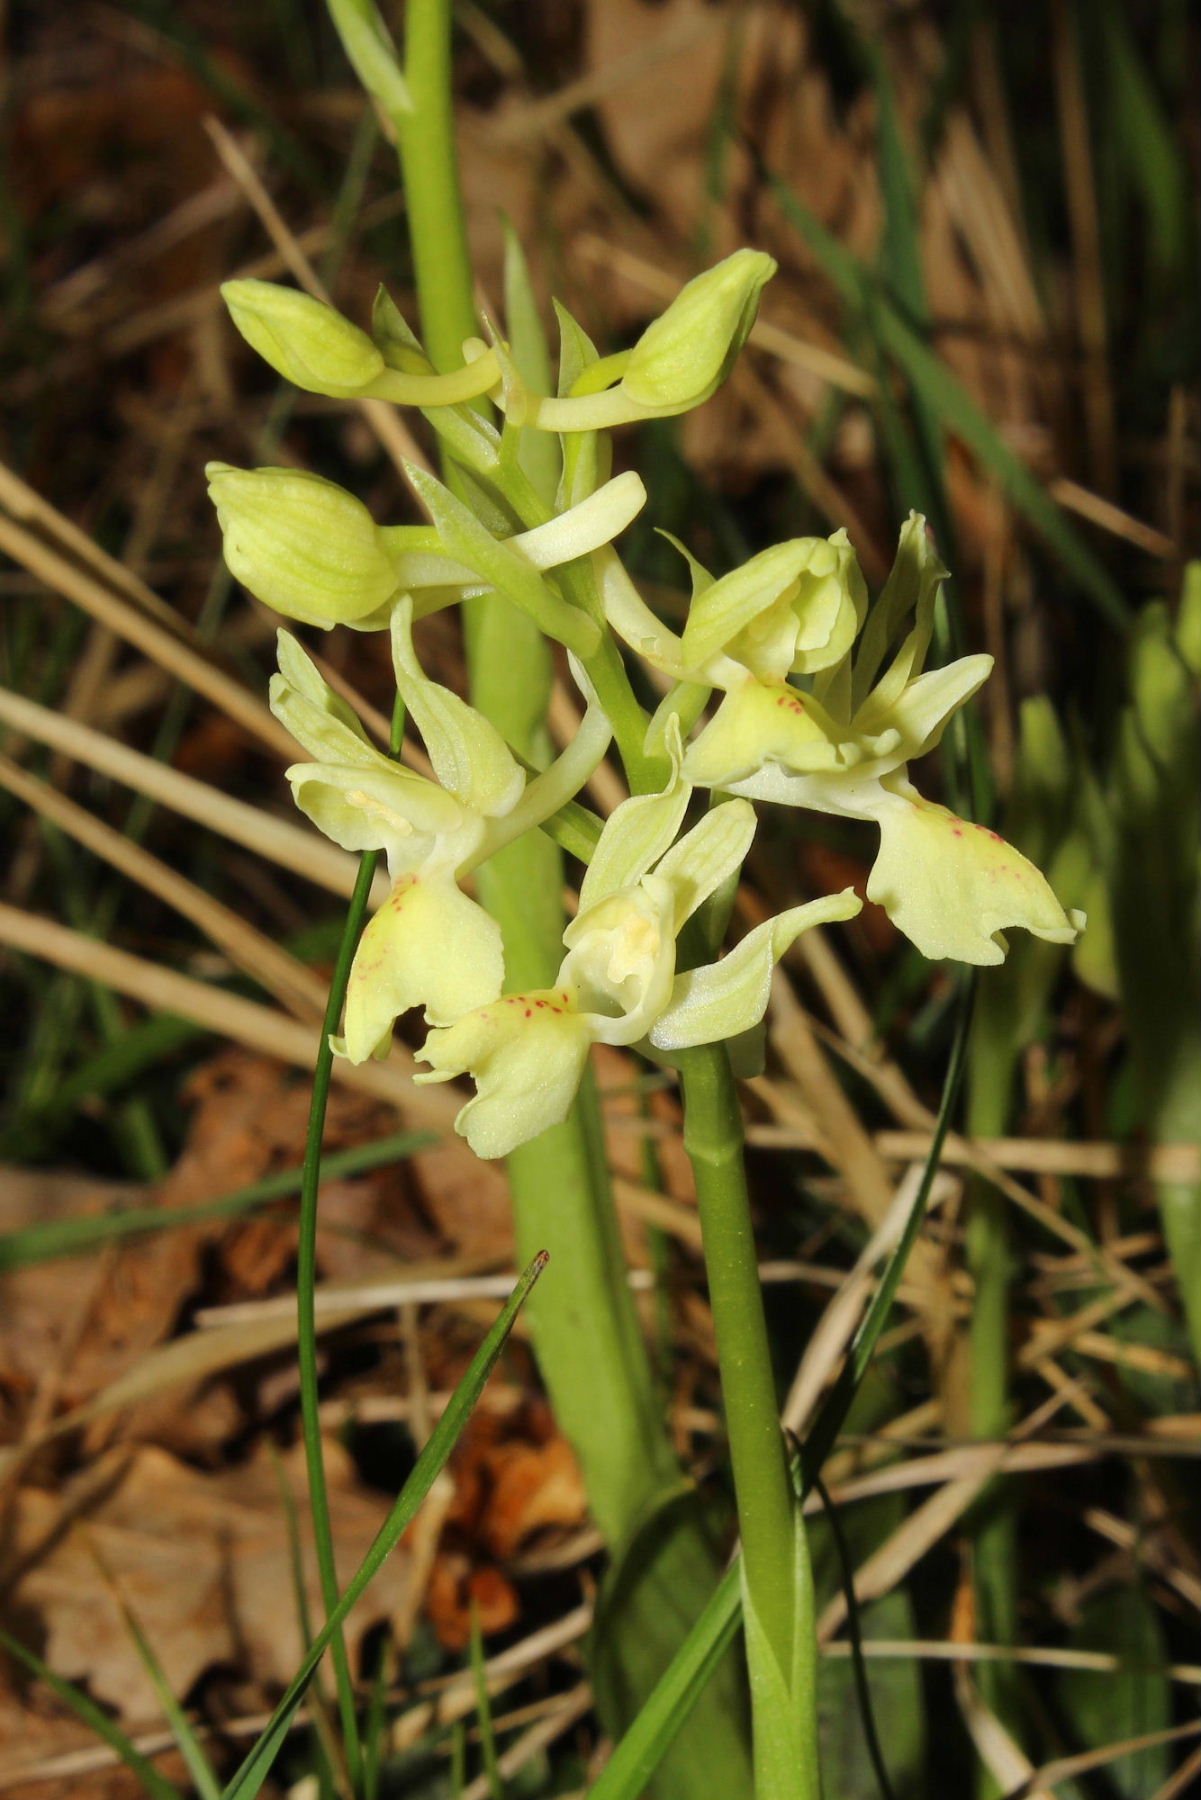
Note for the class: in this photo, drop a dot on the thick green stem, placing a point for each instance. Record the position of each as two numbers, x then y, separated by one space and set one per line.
586 1329
713 1140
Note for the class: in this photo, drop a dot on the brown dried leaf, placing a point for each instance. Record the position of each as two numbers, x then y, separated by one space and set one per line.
203 1562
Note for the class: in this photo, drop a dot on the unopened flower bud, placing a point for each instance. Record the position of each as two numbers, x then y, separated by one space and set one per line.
302 544
686 353
304 340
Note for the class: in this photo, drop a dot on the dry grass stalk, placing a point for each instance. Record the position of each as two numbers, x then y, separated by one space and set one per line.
249 949
230 1016
167 647
278 840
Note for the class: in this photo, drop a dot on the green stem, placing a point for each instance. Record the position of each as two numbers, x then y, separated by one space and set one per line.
767 1510
306 1278
713 1140
437 228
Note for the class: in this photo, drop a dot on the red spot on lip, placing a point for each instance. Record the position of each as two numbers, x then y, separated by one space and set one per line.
957 830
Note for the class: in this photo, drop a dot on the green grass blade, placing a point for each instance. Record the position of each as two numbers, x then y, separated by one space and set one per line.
68 1237
145 1044
306 1282
854 1633
204 1776
306 1316
96 1719
904 278
327 1748
483 1704
838 1401
644 1745
254 1770
935 386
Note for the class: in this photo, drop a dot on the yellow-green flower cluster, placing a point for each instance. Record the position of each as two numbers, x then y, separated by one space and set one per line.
822 703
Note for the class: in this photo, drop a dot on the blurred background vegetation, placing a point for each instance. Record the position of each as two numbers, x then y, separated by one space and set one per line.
986 224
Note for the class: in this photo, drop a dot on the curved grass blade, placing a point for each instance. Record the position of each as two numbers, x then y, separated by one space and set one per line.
96 1719
204 1776
254 1770
68 1237
837 1404
862 1689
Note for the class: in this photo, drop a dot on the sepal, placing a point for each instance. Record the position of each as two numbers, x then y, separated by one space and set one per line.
317 717
727 998
382 806
469 756
636 834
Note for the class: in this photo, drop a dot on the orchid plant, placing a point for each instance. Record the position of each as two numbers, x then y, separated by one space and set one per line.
822 702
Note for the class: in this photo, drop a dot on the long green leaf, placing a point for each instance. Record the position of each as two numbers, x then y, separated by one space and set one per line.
646 1742
204 1777
68 1237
